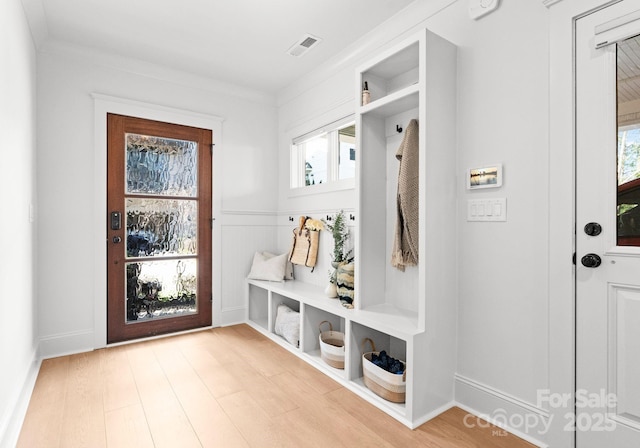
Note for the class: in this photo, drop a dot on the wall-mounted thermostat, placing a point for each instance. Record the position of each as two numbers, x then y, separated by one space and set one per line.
479 8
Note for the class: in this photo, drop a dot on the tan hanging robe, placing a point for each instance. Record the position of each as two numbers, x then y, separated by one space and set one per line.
405 244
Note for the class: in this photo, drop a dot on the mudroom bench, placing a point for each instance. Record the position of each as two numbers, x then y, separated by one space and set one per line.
390 330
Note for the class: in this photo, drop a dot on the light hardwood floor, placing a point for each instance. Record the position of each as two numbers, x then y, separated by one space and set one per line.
226 387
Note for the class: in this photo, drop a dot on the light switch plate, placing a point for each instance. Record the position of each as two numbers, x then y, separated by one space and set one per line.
494 209
479 8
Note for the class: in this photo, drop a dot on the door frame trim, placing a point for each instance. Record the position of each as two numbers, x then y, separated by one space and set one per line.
562 219
104 104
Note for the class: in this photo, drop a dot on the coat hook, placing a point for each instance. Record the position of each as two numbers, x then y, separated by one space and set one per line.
352 217
291 218
398 128
329 218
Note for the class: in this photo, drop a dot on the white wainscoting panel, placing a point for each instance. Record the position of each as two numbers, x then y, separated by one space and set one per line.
243 234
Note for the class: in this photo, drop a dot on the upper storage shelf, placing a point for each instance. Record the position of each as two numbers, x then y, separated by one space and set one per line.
392 76
394 103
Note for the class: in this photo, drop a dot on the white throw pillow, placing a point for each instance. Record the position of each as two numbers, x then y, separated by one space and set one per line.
271 269
288 269
288 324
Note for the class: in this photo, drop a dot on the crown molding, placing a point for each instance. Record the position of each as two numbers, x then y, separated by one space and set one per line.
34 12
87 55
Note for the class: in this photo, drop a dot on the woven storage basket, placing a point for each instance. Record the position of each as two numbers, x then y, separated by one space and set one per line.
389 386
331 346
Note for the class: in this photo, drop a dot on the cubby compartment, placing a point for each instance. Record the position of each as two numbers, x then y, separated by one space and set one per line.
258 311
386 289
392 73
395 347
311 328
276 301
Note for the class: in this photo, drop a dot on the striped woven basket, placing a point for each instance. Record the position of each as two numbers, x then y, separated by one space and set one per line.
390 386
331 346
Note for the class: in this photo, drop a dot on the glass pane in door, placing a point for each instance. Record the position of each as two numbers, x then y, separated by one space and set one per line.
160 288
628 152
161 227
161 210
161 166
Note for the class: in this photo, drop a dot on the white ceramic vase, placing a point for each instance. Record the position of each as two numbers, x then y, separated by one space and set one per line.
331 291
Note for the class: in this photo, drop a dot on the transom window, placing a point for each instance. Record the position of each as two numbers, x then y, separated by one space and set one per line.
325 159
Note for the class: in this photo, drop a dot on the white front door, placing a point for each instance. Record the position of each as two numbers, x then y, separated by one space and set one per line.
608 227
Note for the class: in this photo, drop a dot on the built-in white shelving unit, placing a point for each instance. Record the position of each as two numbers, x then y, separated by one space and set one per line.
409 314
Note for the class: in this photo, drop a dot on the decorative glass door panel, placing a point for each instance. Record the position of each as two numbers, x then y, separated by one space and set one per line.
161 227
161 166
160 255
163 288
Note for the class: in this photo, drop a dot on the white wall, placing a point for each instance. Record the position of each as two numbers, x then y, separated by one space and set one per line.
503 118
66 187
311 110
503 109
17 235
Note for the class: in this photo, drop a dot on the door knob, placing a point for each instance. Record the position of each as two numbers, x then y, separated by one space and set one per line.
117 239
593 229
591 261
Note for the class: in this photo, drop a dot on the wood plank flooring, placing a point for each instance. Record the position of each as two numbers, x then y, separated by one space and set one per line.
226 387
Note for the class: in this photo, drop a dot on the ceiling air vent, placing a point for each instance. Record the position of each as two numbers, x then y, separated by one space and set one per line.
303 45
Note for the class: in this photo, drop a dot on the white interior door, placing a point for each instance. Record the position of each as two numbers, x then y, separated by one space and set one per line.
608 227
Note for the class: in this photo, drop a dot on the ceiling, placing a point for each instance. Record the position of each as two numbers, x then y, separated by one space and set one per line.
243 42
628 56
628 81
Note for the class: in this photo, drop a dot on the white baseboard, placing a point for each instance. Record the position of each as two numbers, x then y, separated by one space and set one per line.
431 415
233 316
66 344
83 341
11 422
519 417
